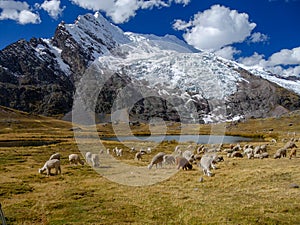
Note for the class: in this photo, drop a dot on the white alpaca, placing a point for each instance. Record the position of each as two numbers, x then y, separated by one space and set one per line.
95 160
75 159
149 150
207 162
52 163
55 156
88 157
119 152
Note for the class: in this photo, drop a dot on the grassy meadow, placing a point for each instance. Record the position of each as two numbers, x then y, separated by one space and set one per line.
256 191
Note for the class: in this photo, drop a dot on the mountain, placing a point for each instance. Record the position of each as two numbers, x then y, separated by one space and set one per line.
146 75
32 79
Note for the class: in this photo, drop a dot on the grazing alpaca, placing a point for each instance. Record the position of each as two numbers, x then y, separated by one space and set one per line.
138 156
75 159
207 161
280 153
157 160
183 163
52 163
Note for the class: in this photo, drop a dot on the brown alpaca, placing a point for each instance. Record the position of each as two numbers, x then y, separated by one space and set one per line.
293 153
183 163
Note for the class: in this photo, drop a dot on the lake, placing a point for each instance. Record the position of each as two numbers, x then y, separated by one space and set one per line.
199 139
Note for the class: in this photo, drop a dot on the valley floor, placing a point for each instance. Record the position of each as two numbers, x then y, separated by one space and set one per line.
256 191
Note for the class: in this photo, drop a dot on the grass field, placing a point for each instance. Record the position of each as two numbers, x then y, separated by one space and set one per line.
241 192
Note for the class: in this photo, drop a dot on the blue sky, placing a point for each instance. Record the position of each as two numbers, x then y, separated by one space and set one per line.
253 32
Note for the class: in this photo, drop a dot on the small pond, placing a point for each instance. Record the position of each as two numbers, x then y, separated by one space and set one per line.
199 139
25 143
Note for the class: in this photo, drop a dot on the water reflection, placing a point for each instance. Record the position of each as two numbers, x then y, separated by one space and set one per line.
199 139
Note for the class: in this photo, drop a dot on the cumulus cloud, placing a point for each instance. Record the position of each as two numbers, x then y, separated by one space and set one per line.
52 7
293 71
26 17
18 11
258 37
215 28
255 59
227 52
121 11
285 72
285 57
285 62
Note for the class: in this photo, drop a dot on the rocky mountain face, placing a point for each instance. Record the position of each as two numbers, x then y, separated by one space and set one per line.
31 79
149 76
261 98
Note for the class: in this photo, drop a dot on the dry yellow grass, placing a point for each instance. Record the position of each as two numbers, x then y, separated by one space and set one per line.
241 192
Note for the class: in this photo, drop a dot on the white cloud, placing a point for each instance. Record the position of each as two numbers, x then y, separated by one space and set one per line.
227 52
184 2
285 57
255 59
215 28
26 17
258 37
285 62
52 7
152 3
18 11
182 25
121 11
291 71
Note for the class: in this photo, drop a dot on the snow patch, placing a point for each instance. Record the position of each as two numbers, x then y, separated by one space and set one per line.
57 52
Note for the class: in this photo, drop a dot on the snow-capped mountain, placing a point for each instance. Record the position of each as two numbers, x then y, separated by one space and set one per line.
41 75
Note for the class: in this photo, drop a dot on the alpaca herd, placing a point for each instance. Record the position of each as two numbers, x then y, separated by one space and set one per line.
206 158
203 157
